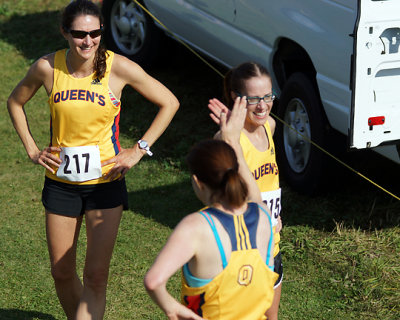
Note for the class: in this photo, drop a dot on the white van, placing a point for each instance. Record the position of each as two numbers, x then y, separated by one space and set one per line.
334 64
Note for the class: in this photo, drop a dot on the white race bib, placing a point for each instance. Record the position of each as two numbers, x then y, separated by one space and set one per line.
273 200
80 163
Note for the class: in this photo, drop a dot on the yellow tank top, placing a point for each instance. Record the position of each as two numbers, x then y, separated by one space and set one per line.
265 171
244 289
84 112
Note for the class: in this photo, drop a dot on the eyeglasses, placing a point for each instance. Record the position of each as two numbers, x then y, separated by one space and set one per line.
256 100
80 34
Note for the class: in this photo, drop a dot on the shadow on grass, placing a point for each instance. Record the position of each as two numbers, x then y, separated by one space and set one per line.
352 202
33 35
15 314
348 198
167 204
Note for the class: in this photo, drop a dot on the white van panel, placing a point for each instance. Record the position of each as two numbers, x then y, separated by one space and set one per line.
376 94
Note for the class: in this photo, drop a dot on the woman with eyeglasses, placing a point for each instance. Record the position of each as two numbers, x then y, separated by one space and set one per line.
253 81
85 164
226 249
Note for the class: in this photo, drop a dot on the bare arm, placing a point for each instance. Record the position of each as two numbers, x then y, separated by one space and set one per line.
126 72
179 249
230 133
39 74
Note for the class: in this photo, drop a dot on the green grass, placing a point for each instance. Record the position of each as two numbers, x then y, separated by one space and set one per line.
340 249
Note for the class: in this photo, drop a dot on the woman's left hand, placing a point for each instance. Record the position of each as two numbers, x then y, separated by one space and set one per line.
124 160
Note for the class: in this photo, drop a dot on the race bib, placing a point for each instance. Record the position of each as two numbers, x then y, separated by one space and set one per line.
80 163
273 200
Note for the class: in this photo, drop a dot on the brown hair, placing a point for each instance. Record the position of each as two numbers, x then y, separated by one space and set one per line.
85 7
235 78
214 163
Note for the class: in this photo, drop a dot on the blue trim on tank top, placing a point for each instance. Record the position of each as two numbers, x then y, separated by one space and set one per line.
195 282
210 221
270 240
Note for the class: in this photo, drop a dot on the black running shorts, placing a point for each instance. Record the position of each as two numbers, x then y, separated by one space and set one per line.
73 200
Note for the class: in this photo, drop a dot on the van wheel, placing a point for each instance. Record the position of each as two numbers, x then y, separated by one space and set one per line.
130 31
299 161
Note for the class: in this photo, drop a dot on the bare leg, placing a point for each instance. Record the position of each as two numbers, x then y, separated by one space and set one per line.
62 236
272 312
102 228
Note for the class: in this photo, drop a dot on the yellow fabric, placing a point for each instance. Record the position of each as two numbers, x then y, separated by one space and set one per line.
83 114
243 290
263 167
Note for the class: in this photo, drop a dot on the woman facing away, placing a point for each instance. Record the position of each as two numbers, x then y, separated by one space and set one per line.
225 250
253 81
85 164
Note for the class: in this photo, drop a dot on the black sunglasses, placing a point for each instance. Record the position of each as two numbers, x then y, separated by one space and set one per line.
79 34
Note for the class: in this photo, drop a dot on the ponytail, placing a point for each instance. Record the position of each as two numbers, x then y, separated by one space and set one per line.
235 189
215 164
99 63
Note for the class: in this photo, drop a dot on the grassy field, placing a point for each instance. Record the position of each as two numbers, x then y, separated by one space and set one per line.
340 248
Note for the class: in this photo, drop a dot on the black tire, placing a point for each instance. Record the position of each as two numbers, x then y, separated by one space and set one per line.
130 31
301 164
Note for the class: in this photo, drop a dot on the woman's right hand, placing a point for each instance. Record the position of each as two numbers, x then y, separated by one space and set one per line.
216 107
47 158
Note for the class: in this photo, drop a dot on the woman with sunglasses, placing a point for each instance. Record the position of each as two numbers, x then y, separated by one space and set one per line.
85 164
225 250
253 81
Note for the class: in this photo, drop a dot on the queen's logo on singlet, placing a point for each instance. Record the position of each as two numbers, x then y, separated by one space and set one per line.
84 123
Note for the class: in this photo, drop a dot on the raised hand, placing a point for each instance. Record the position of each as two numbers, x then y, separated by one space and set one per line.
216 107
232 124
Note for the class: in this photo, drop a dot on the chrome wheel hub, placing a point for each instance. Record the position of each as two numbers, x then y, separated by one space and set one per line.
128 26
297 136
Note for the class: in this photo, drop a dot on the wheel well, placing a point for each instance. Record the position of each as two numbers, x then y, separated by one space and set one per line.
289 58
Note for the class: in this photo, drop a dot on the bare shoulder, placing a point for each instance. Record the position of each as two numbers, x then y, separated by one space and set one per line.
123 67
43 67
40 73
193 225
194 220
46 63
